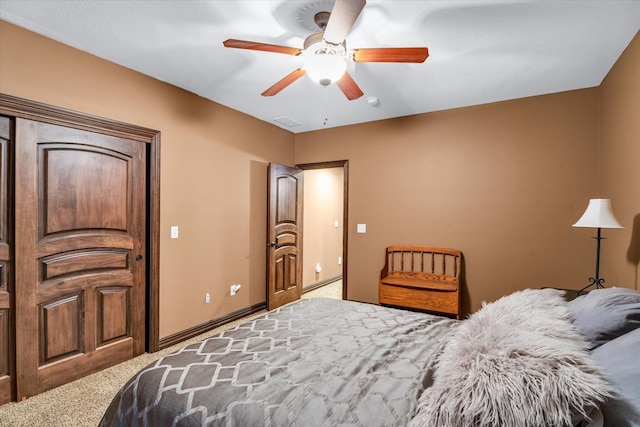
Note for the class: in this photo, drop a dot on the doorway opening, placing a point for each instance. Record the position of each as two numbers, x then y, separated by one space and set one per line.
325 228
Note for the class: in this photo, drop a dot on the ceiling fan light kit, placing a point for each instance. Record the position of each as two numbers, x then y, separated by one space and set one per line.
325 63
326 53
325 68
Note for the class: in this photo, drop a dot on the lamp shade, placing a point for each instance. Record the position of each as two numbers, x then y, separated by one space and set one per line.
598 215
325 68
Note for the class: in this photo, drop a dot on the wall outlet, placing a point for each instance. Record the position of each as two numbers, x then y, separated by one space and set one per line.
234 289
207 298
174 231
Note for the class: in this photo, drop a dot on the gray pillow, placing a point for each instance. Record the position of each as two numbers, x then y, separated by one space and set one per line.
619 361
605 314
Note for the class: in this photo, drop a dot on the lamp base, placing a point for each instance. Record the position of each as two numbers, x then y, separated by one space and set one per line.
597 281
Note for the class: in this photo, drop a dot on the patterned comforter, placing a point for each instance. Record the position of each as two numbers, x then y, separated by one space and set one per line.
315 362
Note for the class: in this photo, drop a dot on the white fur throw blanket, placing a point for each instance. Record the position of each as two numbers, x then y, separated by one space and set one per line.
516 362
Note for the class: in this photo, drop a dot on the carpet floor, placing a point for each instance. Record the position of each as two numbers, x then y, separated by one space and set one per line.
82 402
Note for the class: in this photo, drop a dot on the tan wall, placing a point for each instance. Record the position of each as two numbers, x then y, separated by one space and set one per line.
503 182
619 167
323 199
213 170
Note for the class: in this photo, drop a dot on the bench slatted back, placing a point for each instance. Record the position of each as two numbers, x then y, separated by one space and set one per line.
439 261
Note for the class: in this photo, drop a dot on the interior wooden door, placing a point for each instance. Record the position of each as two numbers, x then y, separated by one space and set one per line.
6 287
284 233
79 253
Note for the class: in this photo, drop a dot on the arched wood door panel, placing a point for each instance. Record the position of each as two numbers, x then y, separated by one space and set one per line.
80 249
67 207
284 231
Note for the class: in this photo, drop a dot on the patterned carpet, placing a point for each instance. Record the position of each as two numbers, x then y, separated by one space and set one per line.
82 402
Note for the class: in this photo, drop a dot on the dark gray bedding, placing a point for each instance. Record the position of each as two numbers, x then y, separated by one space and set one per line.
316 362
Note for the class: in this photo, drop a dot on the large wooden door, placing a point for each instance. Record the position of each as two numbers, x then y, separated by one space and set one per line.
6 283
79 253
284 233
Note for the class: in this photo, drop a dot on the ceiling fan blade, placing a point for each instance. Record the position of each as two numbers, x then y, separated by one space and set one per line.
283 83
391 54
343 16
349 87
266 47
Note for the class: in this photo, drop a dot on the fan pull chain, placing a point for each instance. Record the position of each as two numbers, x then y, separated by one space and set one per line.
324 106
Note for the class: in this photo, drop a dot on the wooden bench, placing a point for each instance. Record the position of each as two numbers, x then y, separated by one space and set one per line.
423 278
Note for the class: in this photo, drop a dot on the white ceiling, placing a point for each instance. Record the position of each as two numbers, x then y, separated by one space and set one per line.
479 51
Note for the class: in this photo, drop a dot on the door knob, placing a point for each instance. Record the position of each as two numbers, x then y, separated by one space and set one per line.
272 244
139 257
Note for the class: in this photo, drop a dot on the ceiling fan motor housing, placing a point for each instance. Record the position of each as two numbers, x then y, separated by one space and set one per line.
315 44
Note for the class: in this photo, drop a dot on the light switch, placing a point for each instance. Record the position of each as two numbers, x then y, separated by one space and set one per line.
336 223
362 228
174 231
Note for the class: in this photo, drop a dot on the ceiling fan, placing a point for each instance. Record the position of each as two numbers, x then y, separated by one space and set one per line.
326 51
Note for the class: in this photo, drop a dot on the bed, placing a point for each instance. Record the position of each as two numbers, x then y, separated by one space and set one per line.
522 360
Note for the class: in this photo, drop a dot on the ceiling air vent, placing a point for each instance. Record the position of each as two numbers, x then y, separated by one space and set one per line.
286 121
